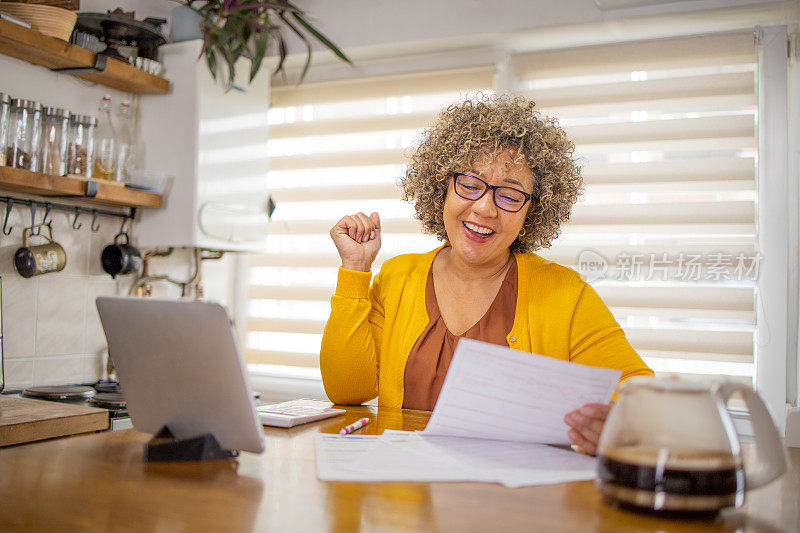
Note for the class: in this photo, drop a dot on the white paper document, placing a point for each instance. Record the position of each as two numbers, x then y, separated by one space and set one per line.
514 464
413 457
493 392
400 456
407 456
497 413
336 454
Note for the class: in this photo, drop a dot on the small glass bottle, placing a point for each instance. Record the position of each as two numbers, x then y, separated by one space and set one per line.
26 127
54 141
80 159
5 117
126 146
105 142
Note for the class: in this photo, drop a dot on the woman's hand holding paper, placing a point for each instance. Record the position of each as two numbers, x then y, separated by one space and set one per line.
587 424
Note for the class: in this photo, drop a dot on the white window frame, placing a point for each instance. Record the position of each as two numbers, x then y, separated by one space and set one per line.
776 310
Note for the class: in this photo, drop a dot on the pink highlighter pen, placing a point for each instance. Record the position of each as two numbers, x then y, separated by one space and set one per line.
354 426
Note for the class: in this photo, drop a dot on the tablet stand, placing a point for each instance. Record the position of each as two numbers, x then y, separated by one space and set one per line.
165 447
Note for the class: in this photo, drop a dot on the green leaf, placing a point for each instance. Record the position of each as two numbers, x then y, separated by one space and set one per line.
259 51
211 61
282 53
206 40
305 41
321 38
268 5
235 29
230 65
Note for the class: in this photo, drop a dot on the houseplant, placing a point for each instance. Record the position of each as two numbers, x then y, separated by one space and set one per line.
234 29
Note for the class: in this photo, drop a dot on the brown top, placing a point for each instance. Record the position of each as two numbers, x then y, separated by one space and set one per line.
431 355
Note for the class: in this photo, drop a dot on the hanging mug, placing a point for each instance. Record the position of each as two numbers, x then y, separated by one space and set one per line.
41 259
121 258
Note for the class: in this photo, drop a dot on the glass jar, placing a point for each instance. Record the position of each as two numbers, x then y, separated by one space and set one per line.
126 142
54 141
80 157
26 127
105 143
5 116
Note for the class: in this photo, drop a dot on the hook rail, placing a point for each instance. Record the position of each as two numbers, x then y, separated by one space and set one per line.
76 212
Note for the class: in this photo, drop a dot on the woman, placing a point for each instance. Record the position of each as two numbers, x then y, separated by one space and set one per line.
494 181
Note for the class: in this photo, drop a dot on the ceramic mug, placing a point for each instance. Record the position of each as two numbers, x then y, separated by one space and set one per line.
41 259
120 258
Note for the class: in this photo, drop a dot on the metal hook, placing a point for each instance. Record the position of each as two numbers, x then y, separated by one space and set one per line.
125 220
94 219
75 224
47 208
33 216
7 229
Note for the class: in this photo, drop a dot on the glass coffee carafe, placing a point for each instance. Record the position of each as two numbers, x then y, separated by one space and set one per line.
671 445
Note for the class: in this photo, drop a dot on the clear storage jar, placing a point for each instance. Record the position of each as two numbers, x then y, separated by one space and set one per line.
26 127
54 141
80 148
5 117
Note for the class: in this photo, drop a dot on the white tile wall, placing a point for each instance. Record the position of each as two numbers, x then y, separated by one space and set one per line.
19 311
94 338
18 372
60 315
48 320
58 370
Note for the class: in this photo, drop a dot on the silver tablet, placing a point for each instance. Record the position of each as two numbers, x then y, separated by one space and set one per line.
179 366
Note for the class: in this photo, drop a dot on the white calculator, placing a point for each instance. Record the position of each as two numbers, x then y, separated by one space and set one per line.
296 412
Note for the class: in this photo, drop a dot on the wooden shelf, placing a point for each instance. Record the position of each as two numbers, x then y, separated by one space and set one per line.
108 193
49 52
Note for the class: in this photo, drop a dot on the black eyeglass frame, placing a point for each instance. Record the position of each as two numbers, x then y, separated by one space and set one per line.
492 188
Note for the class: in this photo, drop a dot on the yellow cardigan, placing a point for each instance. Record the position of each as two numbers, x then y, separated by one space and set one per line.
371 331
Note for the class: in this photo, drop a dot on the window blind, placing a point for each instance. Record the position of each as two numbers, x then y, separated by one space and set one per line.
666 233
665 132
336 148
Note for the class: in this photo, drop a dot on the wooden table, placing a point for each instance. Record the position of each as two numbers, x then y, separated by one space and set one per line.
100 483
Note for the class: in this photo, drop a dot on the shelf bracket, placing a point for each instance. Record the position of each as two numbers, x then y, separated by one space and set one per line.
90 192
99 66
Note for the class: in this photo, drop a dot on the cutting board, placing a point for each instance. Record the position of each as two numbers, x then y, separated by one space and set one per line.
74 5
26 420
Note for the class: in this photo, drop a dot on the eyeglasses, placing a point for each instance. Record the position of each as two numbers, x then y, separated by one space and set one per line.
469 187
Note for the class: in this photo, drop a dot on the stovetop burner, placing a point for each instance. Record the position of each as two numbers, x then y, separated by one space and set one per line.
60 392
107 386
108 400
103 394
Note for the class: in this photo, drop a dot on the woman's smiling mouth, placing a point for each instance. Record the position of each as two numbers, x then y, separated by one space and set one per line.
477 232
